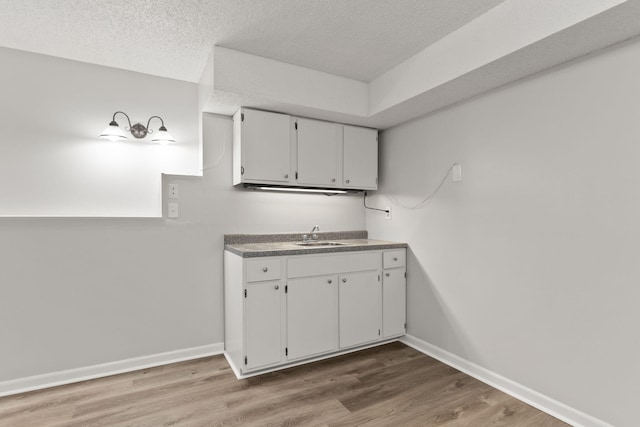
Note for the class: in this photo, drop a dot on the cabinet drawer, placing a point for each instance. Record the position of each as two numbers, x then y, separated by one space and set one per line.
317 265
263 269
391 259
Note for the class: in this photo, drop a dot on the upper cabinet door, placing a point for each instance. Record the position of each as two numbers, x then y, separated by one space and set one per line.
264 147
319 153
360 158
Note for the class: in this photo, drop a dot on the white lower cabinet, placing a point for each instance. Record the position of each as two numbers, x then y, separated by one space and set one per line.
360 308
394 297
312 303
283 310
263 316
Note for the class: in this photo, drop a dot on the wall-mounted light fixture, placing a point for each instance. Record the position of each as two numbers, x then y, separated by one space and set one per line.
113 132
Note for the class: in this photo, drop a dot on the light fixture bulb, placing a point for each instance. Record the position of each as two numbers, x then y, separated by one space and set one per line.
163 137
301 190
113 133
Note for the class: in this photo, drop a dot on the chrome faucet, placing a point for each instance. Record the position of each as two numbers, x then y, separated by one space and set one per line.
312 232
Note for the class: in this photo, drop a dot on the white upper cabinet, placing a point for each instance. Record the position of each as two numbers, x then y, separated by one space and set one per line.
360 154
319 157
281 150
261 147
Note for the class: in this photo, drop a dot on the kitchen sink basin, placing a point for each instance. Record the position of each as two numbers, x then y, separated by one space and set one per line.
317 243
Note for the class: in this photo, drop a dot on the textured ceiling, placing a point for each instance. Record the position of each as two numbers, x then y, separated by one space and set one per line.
358 39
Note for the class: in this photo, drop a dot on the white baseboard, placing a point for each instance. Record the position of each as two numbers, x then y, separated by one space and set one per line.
234 368
538 400
36 382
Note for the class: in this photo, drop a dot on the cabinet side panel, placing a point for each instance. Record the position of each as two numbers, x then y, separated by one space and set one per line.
233 317
237 153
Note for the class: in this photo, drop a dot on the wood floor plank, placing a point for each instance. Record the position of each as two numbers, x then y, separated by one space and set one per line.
389 385
377 389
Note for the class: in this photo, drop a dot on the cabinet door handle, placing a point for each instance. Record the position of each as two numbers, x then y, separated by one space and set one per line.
329 281
388 274
395 258
333 180
265 269
347 181
276 287
286 175
344 280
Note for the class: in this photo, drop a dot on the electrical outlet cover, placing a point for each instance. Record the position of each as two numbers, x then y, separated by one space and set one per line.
173 191
172 210
387 214
457 173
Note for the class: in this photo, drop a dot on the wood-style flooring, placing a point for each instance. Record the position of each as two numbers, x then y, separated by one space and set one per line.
390 385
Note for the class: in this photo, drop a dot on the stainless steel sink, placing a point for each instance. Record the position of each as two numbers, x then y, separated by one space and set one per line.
317 243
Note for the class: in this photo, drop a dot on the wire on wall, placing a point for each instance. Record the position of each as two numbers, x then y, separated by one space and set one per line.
364 202
426 199
224 150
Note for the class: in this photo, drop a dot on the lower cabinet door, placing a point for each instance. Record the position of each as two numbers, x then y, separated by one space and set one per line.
312 314
394 297
263 313
360 308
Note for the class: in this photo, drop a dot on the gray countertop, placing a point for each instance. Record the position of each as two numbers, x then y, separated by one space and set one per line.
262 245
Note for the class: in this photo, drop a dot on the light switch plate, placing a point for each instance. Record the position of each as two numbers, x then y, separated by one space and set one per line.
387 214
172 210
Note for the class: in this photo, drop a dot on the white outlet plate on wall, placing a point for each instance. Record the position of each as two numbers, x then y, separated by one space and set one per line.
172 210
457 173
173 191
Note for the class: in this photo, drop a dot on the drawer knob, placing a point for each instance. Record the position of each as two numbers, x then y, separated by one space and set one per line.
276 287
265 269
347 181
344 280
395 258
329 281
333 180
286 175
388 274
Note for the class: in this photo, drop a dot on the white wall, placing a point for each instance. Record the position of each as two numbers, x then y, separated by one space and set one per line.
52 162
76 292
530 266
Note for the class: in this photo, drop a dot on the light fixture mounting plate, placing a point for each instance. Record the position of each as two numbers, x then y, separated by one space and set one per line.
139 131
